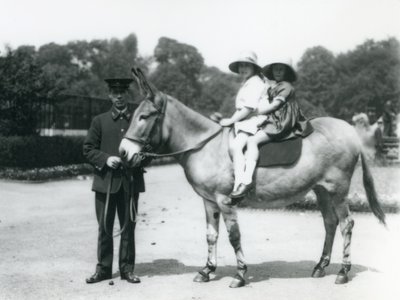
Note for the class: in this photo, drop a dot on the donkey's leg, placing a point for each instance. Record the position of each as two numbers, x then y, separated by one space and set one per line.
212 217
231 221
346 224
330 223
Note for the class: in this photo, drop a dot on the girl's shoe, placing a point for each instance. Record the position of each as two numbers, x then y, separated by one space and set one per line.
241 190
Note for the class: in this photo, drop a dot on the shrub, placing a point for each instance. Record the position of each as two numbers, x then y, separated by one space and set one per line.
49 173
40 151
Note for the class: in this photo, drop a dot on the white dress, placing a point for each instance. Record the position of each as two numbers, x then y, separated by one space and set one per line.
249 96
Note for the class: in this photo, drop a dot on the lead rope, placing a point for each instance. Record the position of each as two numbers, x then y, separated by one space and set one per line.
132 205
128 199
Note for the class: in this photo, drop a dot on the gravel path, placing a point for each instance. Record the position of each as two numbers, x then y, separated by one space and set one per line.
48 235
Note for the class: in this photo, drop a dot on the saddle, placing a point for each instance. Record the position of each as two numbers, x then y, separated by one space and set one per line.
281 153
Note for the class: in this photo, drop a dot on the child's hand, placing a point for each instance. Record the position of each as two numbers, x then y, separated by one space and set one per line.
225 122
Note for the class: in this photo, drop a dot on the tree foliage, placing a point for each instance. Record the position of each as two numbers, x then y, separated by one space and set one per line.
338 85
23 85
178 70
317 73
367 76
27 76
80 67
351 82
218 91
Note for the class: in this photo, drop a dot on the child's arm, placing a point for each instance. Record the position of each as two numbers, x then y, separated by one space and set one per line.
237 116
265 107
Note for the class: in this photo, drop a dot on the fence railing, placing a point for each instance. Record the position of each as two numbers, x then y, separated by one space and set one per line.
391 149
69 113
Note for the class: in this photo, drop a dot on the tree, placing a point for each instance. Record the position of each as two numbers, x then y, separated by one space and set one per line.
367 77
351 82
218 91
317 75
80 67
59 69
23 86
178 70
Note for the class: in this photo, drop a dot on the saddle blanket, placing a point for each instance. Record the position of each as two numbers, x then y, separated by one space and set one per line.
280 153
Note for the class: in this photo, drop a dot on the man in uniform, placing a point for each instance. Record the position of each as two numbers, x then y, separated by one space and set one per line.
101 149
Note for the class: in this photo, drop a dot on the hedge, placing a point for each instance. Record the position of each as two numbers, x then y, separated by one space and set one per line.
40 151
45 174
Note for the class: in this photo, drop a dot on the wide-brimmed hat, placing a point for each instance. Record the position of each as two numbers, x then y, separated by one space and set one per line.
245 57
291 76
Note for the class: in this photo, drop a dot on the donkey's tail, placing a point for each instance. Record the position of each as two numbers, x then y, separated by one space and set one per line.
371 192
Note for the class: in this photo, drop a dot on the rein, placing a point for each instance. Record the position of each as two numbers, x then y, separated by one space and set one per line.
196 147
129 205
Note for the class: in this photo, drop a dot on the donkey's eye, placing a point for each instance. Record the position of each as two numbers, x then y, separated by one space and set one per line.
143 117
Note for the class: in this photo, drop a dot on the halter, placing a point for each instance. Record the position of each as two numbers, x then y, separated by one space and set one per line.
158 121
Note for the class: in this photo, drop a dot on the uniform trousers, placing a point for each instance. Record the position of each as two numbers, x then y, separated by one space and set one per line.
105 247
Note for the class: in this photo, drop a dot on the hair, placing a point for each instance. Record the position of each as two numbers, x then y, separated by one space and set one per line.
260 74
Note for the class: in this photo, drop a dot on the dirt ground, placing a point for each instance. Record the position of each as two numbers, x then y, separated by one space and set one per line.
48 235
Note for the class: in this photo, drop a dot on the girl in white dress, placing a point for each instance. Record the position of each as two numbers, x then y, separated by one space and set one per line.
245 119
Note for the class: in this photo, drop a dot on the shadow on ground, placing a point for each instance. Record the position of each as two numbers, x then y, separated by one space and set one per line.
256 272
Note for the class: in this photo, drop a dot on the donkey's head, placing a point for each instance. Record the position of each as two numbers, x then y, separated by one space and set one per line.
145 129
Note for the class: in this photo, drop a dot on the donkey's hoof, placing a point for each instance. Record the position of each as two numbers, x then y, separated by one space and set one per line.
318 273
342 279
201 277
237 282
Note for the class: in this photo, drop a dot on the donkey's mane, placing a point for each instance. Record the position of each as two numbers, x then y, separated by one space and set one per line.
195 120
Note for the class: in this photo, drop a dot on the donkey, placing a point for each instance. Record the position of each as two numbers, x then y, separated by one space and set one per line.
201 146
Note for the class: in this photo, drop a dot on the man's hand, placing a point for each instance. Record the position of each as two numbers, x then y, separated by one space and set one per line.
114 162
225 122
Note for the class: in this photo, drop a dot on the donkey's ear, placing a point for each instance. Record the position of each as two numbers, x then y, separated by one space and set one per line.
147 86
136 77
134 72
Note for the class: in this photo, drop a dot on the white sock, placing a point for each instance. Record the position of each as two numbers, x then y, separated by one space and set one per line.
249 171
238 178
239 173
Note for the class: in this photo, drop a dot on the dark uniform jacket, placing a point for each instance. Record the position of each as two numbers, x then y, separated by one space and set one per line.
102 141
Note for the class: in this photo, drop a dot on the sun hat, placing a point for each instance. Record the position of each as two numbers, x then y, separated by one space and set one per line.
245 57
291 76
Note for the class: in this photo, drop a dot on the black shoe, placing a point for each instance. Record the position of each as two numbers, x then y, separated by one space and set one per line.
130 277
97 277
241 191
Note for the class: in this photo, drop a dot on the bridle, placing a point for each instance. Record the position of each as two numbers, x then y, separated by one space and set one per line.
151 151
151 95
